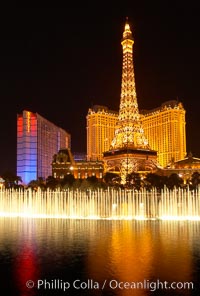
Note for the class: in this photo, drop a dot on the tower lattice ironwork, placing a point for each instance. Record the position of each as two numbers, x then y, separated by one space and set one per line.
129 151
129 131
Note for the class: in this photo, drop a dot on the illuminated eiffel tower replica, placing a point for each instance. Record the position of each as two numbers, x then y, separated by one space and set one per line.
129 151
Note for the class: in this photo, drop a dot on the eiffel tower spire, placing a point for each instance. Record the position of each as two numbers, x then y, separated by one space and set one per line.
129 131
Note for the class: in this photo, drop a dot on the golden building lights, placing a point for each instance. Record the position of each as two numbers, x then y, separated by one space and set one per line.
129 151
161 129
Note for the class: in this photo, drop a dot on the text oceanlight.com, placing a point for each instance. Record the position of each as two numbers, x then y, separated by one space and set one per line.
90 284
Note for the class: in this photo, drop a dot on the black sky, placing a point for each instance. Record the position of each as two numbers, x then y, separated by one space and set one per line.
59 61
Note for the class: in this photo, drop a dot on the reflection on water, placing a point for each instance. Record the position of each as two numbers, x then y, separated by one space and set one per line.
92 251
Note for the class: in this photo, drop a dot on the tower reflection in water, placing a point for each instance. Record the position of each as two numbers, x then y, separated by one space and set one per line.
125 251
142 252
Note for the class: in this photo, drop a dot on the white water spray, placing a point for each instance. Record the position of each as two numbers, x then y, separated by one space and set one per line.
177 204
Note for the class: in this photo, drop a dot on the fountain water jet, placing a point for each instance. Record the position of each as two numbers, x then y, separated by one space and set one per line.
176 204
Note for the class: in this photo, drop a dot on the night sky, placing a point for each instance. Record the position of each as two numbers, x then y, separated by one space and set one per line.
59 62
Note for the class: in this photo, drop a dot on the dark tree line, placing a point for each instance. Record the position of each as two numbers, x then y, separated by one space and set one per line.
133 180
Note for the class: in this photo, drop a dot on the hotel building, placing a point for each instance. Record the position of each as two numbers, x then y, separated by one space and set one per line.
100 131
37 141
164 127
64 164
186 168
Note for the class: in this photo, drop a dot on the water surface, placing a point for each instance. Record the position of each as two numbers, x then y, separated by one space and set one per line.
99 257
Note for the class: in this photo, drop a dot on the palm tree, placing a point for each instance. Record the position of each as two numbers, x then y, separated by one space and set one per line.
52 182
11 180
152 181
195 180
68 181
174 181
134 180
111 179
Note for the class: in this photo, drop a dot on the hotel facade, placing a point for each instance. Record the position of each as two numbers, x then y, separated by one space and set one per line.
100 131
64 164
164 127
37 141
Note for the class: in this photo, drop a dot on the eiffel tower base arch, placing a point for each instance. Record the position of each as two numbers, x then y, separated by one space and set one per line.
127 161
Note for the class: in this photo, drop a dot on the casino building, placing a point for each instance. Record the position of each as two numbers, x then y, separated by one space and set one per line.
37 141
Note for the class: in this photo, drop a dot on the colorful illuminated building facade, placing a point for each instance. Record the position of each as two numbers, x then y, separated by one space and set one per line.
164 128
100 131
37 141
64 164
